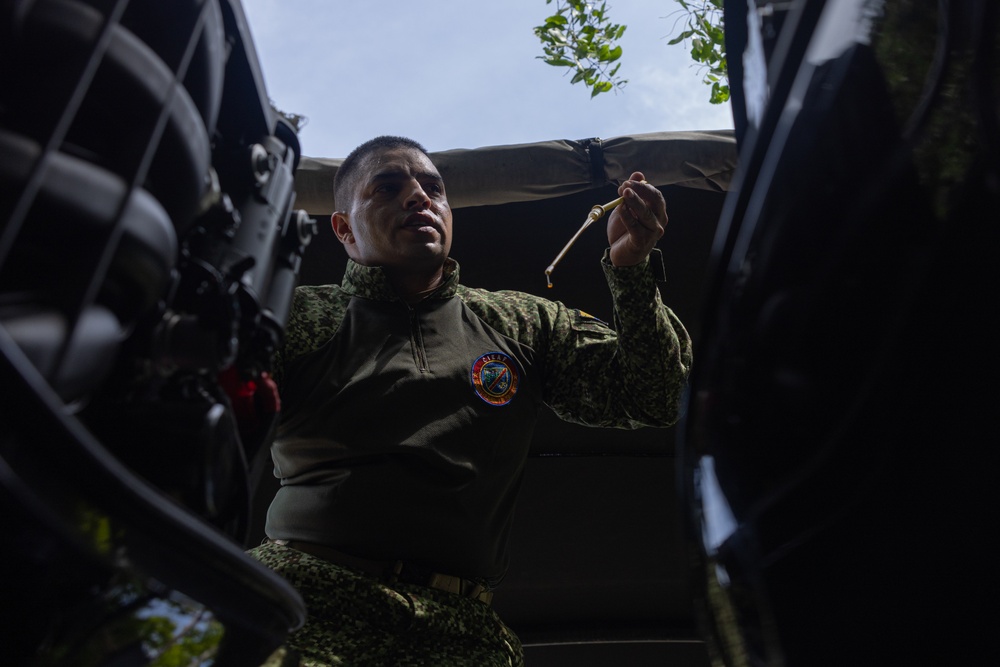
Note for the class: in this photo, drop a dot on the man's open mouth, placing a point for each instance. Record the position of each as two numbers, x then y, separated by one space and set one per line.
421 221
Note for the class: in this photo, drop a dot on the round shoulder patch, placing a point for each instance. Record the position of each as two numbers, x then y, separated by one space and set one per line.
494 378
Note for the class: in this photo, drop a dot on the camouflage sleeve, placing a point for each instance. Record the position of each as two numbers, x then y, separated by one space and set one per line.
314 317
593 374
630 377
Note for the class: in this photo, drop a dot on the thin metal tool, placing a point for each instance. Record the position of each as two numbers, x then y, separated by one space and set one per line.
595 214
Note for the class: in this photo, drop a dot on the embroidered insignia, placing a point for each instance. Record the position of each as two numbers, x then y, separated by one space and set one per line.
494 378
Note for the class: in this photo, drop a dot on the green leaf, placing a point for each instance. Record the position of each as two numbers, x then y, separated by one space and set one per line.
681 37
580 36
600 87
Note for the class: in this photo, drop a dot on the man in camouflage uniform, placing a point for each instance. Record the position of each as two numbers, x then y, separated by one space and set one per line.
408 406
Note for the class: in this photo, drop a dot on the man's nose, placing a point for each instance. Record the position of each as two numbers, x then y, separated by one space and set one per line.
416 197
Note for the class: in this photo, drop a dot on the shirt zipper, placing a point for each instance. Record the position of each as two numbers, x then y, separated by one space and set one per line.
417 341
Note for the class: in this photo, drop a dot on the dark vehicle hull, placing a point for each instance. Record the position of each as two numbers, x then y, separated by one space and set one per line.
840 466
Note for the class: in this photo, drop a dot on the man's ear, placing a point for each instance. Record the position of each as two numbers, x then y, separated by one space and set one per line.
342 228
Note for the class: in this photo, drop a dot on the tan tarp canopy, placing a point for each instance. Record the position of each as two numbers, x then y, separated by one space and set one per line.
527 172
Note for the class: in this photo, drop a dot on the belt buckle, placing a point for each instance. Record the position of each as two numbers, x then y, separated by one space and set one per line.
441 582
447 583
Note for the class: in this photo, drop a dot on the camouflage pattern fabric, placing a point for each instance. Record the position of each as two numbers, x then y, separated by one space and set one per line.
356 620
628 376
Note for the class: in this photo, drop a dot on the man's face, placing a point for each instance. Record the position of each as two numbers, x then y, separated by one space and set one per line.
399 217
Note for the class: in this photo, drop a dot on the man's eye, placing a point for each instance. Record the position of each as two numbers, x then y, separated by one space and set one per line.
435 188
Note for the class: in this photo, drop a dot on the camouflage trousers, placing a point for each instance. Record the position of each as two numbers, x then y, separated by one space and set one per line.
356 620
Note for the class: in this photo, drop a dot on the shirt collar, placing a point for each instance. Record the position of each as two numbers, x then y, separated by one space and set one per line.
370 282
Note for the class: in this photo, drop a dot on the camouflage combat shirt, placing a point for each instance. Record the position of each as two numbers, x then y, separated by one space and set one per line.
405 429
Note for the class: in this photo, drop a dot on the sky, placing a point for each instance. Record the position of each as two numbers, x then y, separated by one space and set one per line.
465 74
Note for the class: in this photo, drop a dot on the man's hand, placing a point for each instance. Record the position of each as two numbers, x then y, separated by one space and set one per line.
638 223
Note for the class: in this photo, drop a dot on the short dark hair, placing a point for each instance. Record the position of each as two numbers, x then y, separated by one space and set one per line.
343 182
